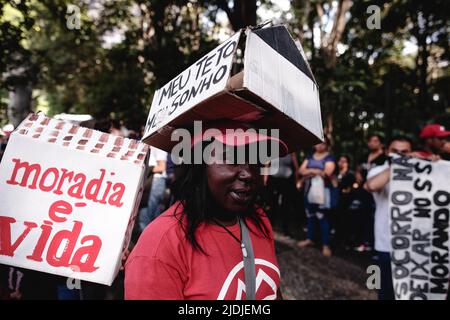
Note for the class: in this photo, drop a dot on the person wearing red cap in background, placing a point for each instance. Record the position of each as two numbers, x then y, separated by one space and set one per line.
434 146
433 140
200 248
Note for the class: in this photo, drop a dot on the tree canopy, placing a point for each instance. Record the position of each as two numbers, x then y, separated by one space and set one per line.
391 79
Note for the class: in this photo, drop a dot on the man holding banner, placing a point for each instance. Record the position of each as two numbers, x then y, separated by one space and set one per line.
378 184
415 232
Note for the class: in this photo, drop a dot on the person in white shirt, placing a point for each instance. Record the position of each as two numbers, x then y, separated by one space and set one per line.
158 162
378 184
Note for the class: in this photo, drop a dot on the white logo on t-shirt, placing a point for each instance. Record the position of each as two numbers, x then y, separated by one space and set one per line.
261 277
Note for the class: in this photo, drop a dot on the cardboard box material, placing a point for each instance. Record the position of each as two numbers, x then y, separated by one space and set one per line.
69 197
258 76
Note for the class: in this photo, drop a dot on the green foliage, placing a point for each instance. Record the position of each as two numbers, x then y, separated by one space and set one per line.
79 73
372 86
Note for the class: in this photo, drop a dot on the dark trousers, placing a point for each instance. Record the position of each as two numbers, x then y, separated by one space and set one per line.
282 200
386 291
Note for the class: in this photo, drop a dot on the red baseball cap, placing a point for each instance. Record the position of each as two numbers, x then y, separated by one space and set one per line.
234 133
434 130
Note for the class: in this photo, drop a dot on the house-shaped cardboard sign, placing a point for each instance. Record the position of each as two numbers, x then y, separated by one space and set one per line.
259 76
69 197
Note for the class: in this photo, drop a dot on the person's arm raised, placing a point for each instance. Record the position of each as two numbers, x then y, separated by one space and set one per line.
377 182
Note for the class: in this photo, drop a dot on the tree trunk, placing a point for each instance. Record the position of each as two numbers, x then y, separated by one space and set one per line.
423 71
247 10
329 130
330 41
19 104
242 14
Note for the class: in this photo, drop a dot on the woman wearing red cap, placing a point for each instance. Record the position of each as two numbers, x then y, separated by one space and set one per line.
214 242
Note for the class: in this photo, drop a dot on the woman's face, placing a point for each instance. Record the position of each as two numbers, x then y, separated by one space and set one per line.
343 163
233 186
321 147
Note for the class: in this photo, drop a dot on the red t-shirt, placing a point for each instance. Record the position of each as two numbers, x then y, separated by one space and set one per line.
164 265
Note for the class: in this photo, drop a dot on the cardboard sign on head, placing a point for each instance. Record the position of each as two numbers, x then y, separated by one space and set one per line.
69 199
258 76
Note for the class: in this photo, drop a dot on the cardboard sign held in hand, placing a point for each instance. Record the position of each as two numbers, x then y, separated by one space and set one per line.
69 198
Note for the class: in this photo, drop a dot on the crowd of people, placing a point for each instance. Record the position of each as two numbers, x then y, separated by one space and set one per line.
342 203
